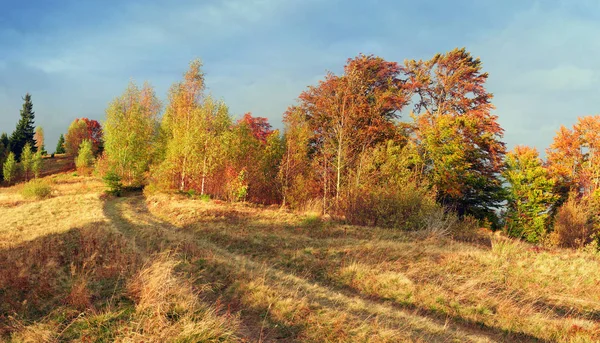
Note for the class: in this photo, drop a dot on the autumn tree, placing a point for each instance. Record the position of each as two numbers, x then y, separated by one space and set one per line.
60 145
84 129
347 114
24 132
254 150
130 133
85 157
259 127
458 136
38 137
9 168
574 158
37 164
295 174
27 160
192 132
529 194
574 162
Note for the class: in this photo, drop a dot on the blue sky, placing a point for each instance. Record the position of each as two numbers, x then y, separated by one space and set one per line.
74 57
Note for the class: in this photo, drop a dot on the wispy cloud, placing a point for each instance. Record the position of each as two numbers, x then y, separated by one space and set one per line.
260 54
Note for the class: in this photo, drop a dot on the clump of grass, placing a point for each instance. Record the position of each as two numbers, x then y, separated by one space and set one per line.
37 189
168 310
39 332
312 221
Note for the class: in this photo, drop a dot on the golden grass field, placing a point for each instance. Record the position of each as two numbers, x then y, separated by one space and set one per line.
80 266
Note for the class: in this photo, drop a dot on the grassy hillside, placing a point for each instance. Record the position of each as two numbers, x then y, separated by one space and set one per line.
82 266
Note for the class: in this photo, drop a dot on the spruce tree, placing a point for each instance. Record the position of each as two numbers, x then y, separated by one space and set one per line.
24 132
3 154
6 143
60 146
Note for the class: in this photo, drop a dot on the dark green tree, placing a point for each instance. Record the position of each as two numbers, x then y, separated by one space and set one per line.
5 142
60 146
3 153
25 130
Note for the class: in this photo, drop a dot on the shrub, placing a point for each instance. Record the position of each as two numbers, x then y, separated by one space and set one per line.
238 187
38 189
411 208
573 227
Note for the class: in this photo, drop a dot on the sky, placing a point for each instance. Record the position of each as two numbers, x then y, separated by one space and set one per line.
74 57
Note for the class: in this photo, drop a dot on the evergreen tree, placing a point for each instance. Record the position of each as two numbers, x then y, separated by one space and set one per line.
60 146
3 149
24 132
6 143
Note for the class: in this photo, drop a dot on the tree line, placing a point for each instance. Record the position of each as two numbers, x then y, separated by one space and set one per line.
383 143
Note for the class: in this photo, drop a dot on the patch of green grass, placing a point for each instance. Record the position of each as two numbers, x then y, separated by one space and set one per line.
312 222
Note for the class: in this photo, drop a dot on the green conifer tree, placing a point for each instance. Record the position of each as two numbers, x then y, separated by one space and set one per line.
24 132
60 146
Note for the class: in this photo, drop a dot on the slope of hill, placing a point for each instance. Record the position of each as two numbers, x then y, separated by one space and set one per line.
82 266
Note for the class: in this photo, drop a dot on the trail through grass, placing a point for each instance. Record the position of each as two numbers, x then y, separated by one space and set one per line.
250 274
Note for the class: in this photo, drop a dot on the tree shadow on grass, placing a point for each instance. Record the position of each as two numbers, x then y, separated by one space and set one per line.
71 272
266 249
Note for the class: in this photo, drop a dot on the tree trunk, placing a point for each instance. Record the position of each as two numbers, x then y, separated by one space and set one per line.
203 175
339 170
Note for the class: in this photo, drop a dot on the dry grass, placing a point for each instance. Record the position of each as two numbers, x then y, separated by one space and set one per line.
167 268
511 290
75 202
70 274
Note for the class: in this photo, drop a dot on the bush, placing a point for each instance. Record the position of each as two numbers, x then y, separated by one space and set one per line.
38 189
410 208
573 227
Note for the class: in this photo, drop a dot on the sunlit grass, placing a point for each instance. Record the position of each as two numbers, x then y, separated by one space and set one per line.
170 268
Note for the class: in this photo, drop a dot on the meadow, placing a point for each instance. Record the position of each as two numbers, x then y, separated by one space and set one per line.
90 267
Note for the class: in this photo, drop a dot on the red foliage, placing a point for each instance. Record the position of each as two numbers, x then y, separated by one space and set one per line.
92 130
573 156
259 126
